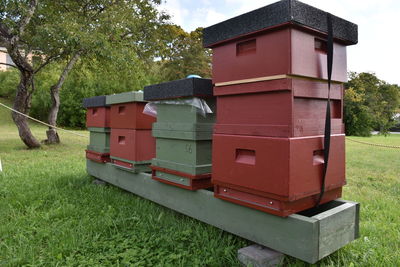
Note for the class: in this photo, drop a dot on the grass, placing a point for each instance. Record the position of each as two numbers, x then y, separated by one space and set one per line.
51 214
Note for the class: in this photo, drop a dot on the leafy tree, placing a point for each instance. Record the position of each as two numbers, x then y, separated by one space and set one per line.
182 54
121 31
370 103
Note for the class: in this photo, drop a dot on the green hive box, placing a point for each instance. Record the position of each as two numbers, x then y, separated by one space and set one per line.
169 113
183 138
99 140
187 156
135 96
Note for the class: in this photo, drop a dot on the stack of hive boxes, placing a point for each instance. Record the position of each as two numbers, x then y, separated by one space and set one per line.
131 146
270 76
98 123
183 135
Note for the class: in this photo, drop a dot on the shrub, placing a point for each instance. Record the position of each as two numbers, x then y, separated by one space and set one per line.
8 83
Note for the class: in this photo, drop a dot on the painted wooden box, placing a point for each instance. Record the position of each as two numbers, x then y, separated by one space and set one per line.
127 111
97 112
281 176
131 149
289 107
284 38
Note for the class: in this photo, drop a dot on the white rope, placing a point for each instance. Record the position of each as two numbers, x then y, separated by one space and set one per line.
29 117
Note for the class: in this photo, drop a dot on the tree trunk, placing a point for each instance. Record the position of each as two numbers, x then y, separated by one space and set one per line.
22 104
52 135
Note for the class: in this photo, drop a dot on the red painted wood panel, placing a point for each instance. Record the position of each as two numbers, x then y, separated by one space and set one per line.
98 117
295 108
282 51
286 169
130 116
133 145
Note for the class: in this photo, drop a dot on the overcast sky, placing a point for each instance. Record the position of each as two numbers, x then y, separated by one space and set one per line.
378 49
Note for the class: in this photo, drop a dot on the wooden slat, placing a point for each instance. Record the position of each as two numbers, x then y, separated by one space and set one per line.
297 235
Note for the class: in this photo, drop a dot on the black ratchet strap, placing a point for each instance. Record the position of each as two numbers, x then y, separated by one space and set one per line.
327 134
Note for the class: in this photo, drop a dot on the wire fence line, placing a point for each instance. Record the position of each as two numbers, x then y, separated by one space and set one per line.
41 122
371 144
85 136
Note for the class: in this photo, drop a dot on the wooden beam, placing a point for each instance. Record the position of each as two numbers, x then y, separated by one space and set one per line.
307 237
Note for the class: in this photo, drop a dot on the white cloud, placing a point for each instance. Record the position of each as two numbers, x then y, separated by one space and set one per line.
175 10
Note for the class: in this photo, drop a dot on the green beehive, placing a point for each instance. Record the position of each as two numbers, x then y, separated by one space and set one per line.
183 132
99 140
183 138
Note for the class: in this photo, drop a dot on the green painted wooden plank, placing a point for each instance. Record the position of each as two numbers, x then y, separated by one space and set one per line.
296 235
186 168
189 152
99 129
197 135
99 141
136 169
337 228
135 96
144 162
184 127
173 178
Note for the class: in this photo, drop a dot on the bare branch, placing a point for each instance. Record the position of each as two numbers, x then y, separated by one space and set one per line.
67 69
46 62
10 65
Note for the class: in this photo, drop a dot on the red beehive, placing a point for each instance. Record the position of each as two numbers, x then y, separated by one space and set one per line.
129 147
276 175
270 73
279 108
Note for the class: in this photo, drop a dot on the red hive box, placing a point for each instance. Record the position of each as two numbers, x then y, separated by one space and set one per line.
127 111
279 51
279 108
276 175
130 116
129 147
98 117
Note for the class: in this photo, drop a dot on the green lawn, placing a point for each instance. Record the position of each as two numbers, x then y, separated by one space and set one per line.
51 214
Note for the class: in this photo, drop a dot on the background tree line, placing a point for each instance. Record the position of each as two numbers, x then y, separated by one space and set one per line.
105 45
102 47
370 104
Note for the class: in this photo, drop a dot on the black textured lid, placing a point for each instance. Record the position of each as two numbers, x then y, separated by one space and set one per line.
96 101
282 12
189 87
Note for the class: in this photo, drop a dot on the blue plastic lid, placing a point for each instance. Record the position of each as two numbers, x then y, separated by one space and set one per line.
193 76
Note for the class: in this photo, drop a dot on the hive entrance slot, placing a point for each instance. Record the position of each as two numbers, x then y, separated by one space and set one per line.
320 45
246 156
121 140
318 157
246 47
121 109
